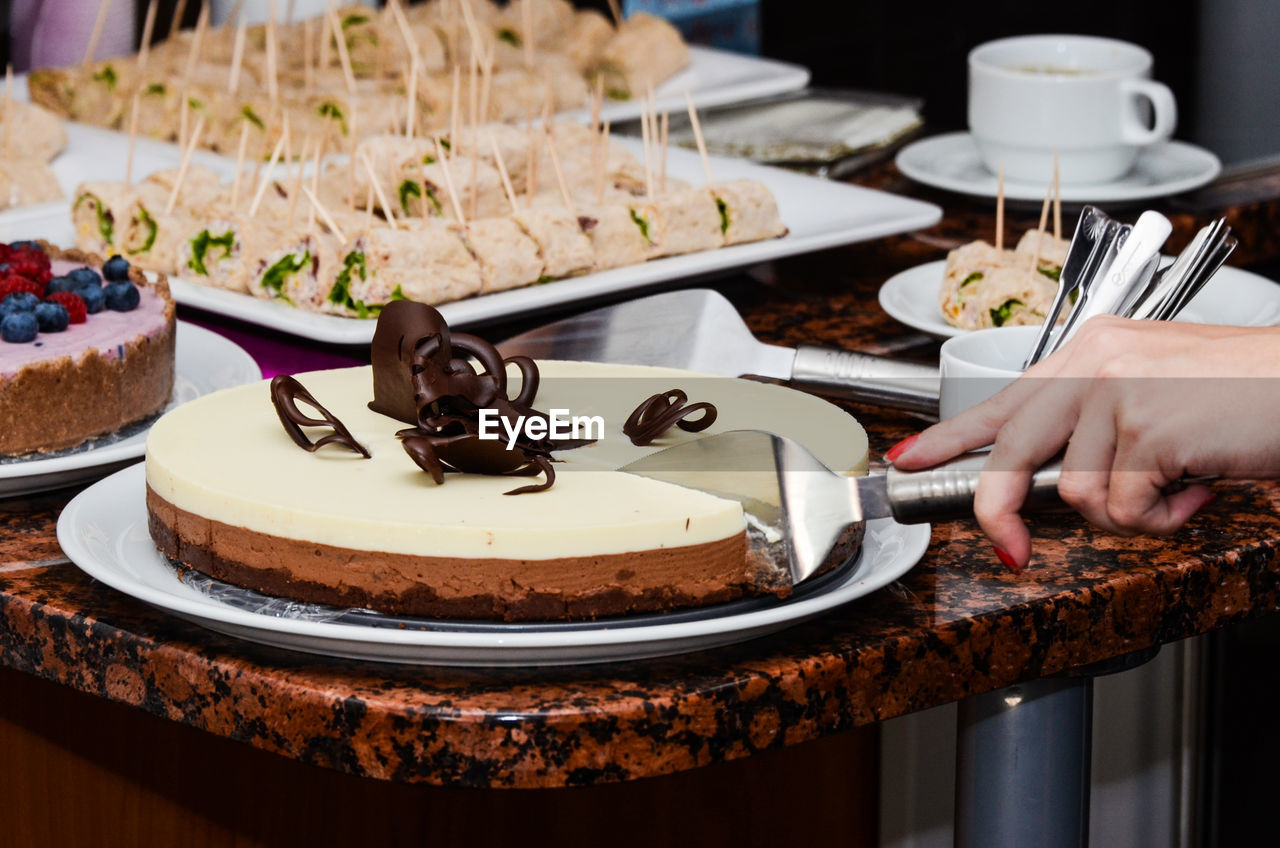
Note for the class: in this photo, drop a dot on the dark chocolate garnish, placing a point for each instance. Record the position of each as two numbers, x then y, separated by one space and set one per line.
659 413
421 376
285 394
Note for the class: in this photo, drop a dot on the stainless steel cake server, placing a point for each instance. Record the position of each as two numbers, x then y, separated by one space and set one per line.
787 491
700 330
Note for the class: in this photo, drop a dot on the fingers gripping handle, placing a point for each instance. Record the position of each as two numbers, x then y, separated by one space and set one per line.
1163 107
946 492
864 377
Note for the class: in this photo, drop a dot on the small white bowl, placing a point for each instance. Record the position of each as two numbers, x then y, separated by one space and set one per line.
977 365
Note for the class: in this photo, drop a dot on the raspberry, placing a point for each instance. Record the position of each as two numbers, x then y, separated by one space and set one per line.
11 283
75 306
31 264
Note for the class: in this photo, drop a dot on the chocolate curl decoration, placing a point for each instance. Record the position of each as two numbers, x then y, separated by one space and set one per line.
285 394
659 413
422 376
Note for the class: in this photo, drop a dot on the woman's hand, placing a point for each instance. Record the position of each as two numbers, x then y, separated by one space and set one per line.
1137 405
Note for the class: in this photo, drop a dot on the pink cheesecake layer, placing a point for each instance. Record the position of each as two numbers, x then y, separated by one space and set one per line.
105 332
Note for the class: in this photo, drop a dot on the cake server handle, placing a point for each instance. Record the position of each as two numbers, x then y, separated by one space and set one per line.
866 378
946 492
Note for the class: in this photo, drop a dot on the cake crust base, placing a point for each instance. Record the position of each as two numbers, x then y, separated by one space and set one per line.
444 587
59 403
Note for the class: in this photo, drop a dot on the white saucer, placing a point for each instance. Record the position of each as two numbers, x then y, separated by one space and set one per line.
951 162
104 531
204 362
1232 297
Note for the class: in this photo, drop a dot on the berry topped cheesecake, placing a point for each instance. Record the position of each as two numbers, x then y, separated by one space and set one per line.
86 347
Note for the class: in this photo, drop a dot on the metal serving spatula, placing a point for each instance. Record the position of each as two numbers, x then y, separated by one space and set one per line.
700 330
784 488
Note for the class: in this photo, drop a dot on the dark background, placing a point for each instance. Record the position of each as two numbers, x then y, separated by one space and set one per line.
919 48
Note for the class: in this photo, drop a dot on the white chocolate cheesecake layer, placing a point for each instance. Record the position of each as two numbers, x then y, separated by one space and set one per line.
225 457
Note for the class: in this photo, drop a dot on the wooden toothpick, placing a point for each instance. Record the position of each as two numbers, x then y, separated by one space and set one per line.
324 213
406 32
273 56
240 151
387 212
411 109
1057 199
597 103
9 116
453 106
184 110
96 35
616 12
133 134
448 182
197 44
343 55
148 30
237 59
296 190
662 159
1000 207
1044 218
555 164
502 172
604 161
648 149
266 175
697 134
182 168
179 12
531 161
308 76
315 183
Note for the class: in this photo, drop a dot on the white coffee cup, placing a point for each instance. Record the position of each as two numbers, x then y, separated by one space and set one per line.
1087 99
975 366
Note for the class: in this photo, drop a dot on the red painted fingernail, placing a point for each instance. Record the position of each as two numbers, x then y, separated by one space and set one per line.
1212 497
1008 560
901 447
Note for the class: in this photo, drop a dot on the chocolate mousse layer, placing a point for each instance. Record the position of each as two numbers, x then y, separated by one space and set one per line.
583 587
57 403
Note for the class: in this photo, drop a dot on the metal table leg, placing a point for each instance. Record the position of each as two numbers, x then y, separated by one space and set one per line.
1022 766
1023 757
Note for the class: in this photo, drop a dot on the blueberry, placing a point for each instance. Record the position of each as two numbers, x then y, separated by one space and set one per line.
19 327
85 277
52 317
122 297
18 302
18 245
59 284
94 297
116 269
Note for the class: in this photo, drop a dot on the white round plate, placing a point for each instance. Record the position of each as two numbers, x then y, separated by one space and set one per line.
104 531
951 162
203 362
1232 297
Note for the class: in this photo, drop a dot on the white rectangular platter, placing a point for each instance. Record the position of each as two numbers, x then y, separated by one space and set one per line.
713 78
716 78
95 154
819 213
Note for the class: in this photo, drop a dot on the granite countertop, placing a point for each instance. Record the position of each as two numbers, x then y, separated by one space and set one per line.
956 625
